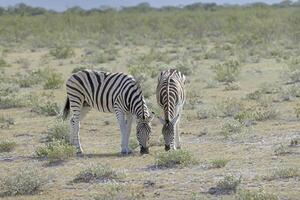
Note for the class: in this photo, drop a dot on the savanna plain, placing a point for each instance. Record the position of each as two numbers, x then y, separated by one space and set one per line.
240 126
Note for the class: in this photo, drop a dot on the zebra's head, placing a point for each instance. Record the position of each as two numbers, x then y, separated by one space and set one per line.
168 131
143 131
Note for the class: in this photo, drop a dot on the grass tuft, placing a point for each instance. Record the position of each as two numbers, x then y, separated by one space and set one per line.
26 181
102 173
7 146
255 195
176 158
56 151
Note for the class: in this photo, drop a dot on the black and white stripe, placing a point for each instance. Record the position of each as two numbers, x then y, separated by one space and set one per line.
170 96
108 92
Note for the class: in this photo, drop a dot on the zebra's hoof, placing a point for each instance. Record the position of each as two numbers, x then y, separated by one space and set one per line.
178 147
126 152
79 153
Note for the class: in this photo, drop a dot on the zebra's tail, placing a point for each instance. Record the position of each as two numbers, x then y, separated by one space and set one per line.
66 110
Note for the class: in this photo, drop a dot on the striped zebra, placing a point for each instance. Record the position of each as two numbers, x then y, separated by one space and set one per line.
170 95
108 92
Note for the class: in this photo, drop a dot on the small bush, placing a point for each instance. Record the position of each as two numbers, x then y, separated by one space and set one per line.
56 151
270 88
6 122
297 111
229 184
281 150
62 52
232 86
3 63
29 79
255 195
227 71
53 81
176 158
25 181
268 113
7 146
11 101
102 173
231 126
230 107
254 95
47 108
218 163
117 192
8 88
59 131
284 173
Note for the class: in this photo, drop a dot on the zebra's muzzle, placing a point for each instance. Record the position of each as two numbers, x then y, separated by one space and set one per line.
144 150
167 147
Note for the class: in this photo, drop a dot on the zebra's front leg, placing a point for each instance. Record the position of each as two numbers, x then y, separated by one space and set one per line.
177 136
74 135
124 133
128 131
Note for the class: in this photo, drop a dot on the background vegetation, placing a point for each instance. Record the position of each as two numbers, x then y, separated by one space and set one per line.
239 127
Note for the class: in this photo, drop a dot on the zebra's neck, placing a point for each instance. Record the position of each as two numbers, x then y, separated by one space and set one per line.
141 111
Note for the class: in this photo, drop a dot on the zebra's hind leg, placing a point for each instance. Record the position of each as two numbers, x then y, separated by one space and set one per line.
177 135
123 128
75 127
74 135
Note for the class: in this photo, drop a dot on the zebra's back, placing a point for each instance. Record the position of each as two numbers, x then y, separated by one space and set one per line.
170 91
98 89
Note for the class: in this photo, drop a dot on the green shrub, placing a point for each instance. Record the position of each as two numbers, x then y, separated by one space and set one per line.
53 80
255 195
254 95
3 63
102 173
11 101
218 163
227 71
62 52
56 151
176 158
25 181
8 88
47 108
297 110
5 122
281 150
231 126
283 173
229 184
29 79
230 107
232 86
59 131
7 146
265 113
118 192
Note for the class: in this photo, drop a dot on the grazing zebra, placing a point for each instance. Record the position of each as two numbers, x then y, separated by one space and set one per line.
170 95
108 92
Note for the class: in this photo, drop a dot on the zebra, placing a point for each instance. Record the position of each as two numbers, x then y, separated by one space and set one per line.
170 95
108 92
